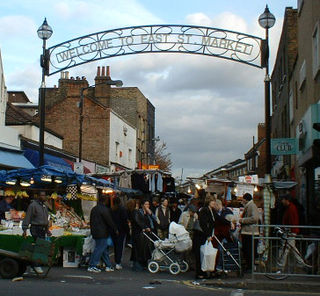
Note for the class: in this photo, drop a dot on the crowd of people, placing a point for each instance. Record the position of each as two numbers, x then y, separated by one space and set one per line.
117 224
141 217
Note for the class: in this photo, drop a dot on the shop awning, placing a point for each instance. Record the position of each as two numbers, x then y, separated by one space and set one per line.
50 160
14 159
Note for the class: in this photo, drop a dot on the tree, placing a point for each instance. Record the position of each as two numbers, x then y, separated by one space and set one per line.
162 157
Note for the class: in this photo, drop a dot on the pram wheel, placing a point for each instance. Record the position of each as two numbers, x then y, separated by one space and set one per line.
184 266
153 267
174 268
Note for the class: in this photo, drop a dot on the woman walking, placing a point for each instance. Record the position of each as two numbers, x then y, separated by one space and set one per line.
146 221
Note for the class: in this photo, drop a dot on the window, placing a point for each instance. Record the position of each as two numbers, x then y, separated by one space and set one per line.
302 74
296 93
117 149
291 106
130 155
316 50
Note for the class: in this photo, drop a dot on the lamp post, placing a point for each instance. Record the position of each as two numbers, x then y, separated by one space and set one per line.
44 33
267 21
117 83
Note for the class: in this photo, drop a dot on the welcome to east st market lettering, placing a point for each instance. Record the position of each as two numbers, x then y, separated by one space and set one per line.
133 40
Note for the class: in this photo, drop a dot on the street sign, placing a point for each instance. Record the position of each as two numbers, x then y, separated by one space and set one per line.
284 146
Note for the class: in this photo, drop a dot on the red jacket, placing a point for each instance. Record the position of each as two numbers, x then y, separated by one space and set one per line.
291 217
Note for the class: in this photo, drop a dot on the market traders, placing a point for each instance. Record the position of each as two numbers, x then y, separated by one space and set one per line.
101 223
5 206
37 216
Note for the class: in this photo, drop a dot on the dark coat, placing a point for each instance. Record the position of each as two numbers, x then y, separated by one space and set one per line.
120 218
210 221
101 222
207 221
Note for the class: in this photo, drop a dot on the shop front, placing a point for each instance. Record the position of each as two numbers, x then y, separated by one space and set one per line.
308 164
70 197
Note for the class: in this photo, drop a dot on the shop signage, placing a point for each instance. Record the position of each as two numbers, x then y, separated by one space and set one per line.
283 146
189 39
250 179
150 167
244 188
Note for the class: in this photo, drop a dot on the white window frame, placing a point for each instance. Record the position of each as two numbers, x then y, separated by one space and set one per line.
302 74
316 50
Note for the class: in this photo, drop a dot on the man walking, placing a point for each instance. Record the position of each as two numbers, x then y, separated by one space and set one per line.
163 218
101 223
291 218
249 218
37 216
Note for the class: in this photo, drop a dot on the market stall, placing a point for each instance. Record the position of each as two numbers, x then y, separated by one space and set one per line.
70 199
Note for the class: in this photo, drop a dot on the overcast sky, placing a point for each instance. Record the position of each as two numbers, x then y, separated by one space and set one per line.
207 109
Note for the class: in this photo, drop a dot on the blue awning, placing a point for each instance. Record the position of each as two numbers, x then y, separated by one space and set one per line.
53 161
14 159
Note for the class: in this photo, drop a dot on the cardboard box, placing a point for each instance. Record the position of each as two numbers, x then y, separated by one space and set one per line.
70 258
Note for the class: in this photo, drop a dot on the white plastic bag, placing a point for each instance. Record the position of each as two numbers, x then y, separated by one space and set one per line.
208 256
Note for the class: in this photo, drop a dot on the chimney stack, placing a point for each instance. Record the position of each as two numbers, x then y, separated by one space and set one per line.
108 71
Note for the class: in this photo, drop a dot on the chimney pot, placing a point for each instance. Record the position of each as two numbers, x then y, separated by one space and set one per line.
62 75
78 78
108 71
66 75
103 71
98 71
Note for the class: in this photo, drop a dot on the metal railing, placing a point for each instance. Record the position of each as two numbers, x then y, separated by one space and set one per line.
280 252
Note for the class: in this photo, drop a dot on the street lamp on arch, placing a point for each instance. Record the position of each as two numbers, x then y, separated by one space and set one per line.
267 20
44 33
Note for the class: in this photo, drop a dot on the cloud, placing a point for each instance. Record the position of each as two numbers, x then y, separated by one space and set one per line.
16 27
207 109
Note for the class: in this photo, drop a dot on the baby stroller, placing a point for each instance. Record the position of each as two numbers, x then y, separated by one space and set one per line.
167 254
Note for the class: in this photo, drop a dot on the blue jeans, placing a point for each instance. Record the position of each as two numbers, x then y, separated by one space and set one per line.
101 251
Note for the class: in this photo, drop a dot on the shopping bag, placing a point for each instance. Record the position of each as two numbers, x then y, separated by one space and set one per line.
208 256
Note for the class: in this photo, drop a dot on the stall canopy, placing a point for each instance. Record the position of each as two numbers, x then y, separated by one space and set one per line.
37 177
15 159
50 160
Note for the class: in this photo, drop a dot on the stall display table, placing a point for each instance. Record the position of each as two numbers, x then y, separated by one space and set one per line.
13 243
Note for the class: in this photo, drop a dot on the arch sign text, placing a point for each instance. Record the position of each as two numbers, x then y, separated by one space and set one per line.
156 39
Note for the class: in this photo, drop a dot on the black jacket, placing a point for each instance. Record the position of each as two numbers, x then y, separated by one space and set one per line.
101 222
209 221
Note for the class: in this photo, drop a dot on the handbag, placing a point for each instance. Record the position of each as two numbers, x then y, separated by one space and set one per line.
196 225
208 256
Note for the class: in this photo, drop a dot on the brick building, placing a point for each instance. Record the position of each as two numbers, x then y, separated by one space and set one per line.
282 115
256 157
100 102
300 94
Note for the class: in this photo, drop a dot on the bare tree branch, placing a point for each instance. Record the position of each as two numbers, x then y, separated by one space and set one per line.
162 157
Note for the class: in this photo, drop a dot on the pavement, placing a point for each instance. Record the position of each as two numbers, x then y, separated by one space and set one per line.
302 284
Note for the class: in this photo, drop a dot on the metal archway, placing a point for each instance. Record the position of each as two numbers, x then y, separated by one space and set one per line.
207 41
